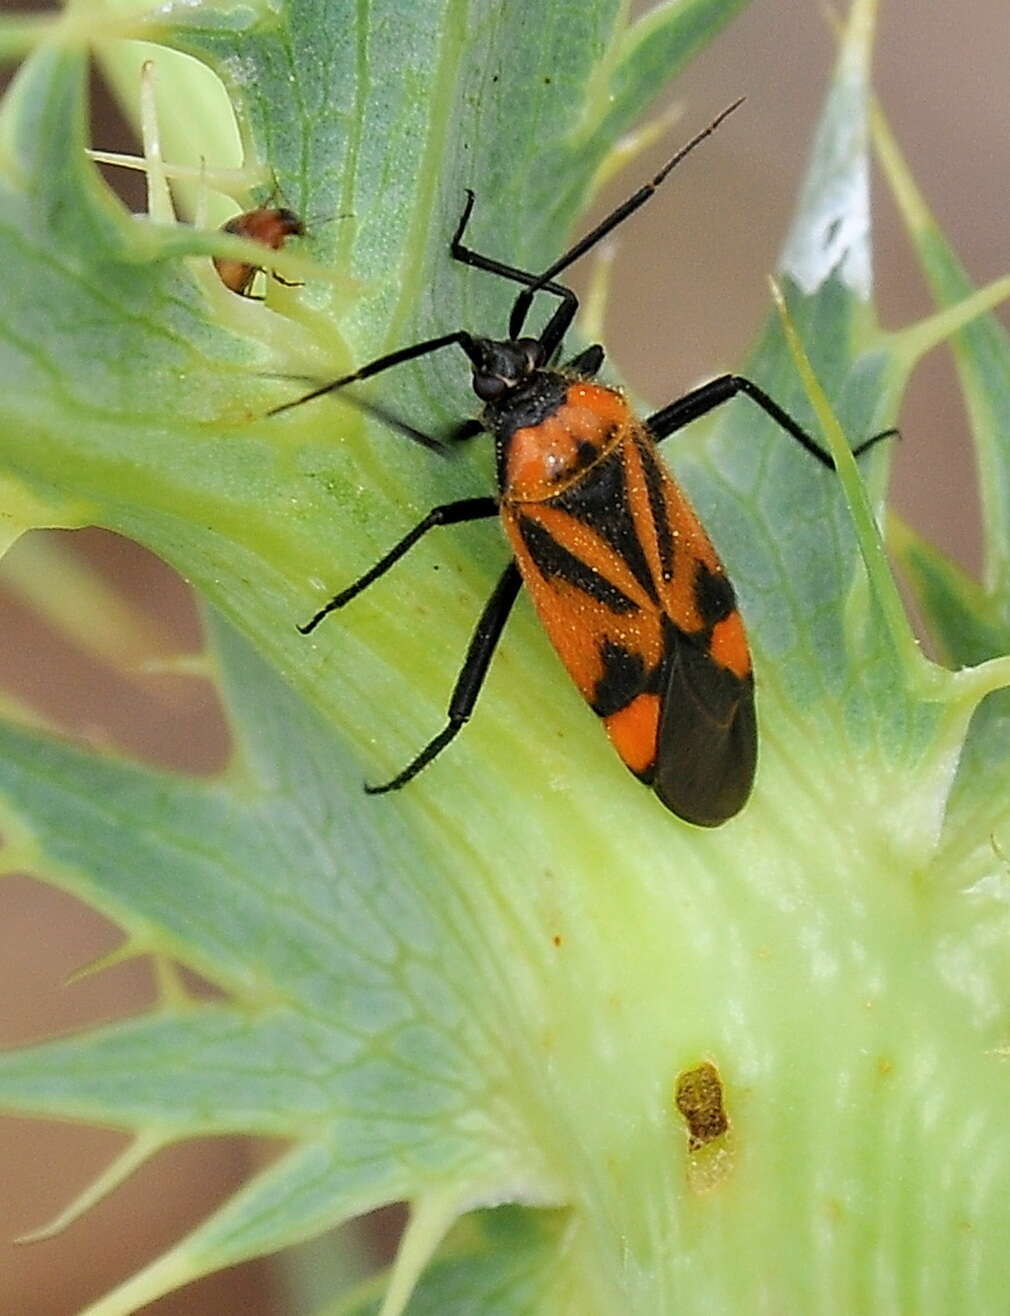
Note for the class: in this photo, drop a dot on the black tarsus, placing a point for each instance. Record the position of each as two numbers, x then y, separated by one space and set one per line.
468 685
466 429
587 364
468 256
466 509
389 418
708 396
397 424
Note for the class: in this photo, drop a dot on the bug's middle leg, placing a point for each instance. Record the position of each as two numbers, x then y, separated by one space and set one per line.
466 509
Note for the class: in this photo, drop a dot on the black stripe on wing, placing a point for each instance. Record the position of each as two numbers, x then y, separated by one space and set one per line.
553 559
600 501
657 506
624 676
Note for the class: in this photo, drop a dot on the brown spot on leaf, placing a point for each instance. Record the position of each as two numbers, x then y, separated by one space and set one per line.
699 1098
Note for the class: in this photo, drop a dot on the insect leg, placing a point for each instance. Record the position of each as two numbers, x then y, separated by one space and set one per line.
467 429
394 422
468 685
466 509
702 400
587 364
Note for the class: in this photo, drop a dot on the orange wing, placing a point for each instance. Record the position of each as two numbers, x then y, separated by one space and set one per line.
637 604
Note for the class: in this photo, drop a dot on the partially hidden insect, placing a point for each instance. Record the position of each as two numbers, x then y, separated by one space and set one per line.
622 575
271 226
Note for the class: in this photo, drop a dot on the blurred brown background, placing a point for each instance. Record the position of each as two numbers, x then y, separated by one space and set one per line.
941 70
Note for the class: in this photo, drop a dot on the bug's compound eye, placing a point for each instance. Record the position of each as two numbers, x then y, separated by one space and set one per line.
489 388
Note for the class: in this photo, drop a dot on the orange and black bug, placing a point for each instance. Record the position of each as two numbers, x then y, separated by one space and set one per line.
271 226
624 579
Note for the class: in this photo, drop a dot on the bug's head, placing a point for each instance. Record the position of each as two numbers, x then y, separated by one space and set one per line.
501 366
292 225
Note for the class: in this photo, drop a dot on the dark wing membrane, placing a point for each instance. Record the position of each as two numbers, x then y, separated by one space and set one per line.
707 744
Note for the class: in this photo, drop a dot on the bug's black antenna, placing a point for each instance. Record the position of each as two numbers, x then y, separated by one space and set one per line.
383 363
607 225
318 221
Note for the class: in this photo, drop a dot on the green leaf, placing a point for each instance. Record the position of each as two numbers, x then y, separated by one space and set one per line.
970 622
489 988
823 652
982 355
509 1262
965 620
19 33
348 1026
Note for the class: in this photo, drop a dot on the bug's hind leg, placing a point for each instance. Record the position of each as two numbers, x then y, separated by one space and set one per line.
481 649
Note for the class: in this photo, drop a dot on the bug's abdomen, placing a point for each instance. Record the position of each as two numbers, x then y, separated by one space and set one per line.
637 604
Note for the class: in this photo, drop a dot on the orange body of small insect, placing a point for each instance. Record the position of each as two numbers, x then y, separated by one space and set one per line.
269 226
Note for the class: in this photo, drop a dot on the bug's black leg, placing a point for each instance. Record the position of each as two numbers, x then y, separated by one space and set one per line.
467 429
557 326
479 653
702 400
288 283
860 448
466 509
467 256
587 363
461 337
